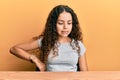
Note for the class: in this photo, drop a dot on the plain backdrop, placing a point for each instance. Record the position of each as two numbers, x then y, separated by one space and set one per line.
20 20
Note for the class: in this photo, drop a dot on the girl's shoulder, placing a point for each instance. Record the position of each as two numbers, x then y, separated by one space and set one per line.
82 47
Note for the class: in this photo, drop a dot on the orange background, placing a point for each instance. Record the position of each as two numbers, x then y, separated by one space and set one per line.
20 20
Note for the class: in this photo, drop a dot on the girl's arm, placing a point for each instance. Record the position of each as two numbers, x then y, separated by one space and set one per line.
21 51
82 63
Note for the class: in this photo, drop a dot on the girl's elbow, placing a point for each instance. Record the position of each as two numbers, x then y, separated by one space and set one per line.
84 69
12 49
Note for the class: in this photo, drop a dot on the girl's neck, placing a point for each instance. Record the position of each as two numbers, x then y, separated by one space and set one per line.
64 39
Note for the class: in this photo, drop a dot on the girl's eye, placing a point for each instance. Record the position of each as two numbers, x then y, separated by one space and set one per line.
60 23
69 23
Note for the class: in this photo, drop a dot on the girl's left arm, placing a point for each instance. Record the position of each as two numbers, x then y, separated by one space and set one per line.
83 63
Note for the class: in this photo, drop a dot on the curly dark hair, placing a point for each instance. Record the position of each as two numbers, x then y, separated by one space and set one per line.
50 35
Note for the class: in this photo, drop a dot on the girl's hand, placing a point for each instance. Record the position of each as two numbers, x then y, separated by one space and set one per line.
38 63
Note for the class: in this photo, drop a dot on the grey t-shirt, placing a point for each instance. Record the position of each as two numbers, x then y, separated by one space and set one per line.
67 58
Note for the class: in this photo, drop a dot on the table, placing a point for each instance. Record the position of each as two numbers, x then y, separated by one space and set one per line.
82 75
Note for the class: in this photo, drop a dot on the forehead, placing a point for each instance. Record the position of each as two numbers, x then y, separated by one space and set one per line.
65 16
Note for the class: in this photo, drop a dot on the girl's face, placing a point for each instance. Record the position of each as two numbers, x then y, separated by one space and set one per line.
64 24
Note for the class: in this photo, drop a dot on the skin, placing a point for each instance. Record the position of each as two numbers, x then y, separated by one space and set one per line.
64 27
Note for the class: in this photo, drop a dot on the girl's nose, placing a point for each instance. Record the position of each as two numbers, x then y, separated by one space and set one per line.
65 25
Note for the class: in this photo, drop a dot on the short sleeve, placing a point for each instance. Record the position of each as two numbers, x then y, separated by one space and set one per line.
39 42
82 48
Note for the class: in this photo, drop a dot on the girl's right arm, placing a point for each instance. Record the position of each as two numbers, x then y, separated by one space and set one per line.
21 51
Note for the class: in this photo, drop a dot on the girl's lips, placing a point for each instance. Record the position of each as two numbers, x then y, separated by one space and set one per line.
64 32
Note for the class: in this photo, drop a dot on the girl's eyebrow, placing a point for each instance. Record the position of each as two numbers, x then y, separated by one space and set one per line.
63 20
69 20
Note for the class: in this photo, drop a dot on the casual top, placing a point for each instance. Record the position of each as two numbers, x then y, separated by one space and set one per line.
67 57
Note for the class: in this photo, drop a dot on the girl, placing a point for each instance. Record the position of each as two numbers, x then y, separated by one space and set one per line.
60 44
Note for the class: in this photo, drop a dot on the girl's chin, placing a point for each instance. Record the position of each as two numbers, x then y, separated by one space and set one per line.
63 35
